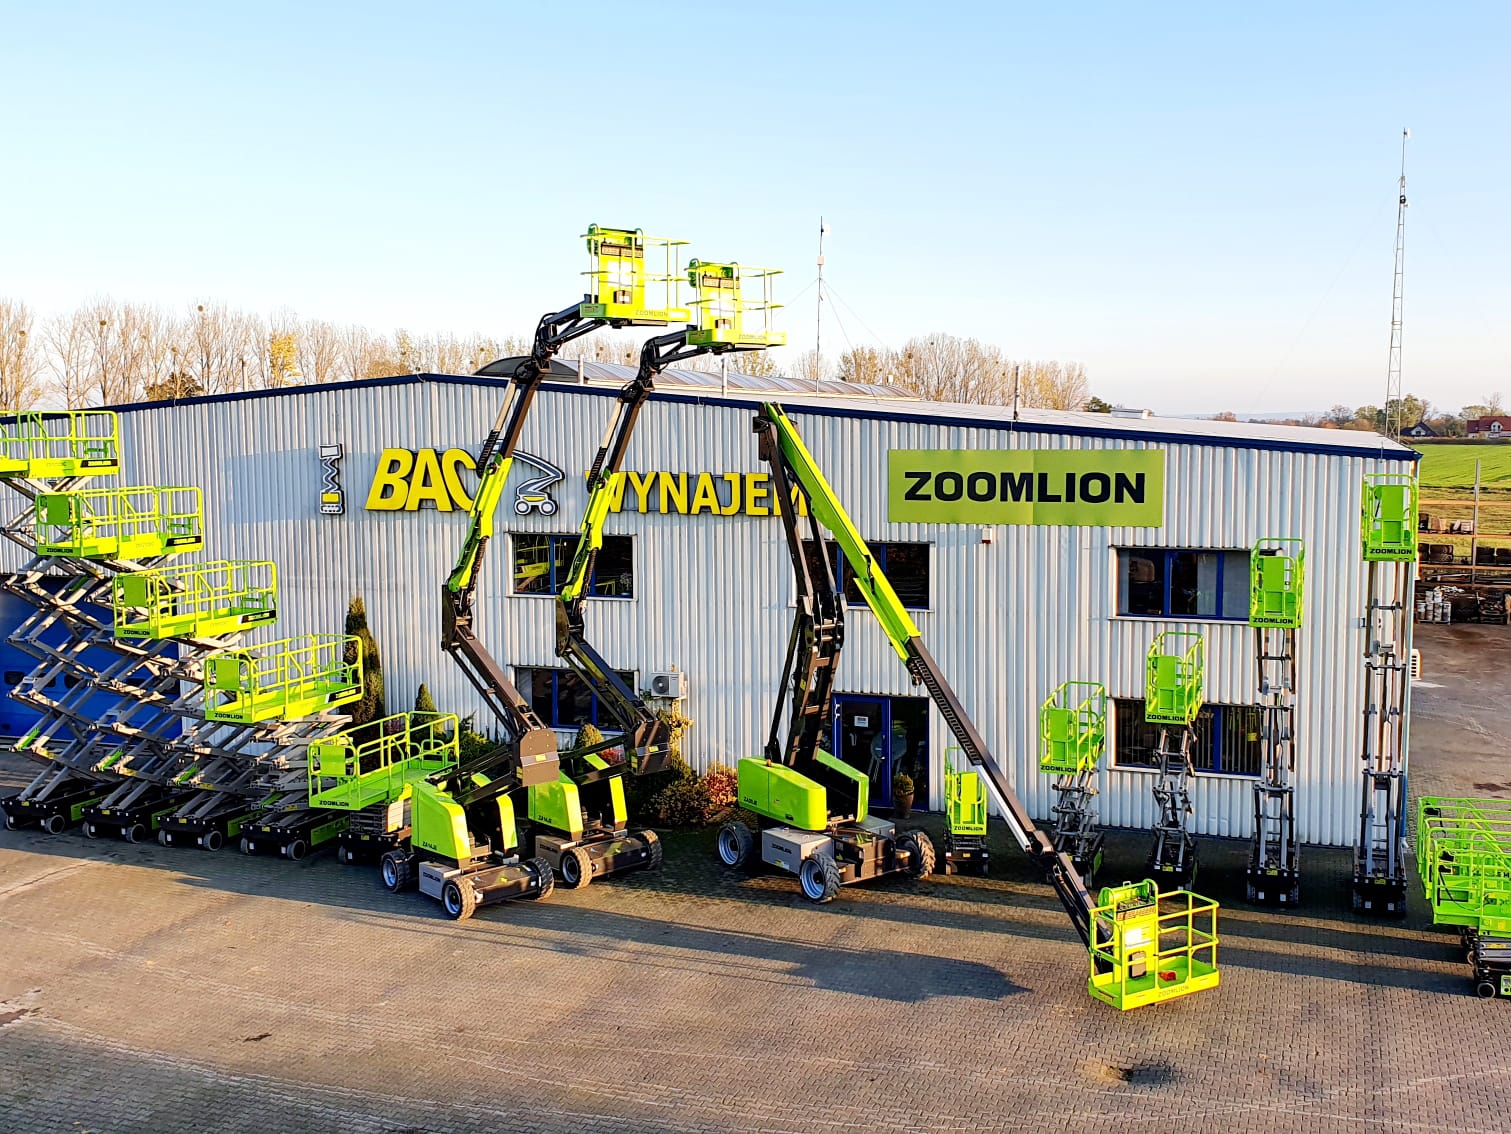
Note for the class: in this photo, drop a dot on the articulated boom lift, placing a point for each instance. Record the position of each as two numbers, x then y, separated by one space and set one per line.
464 816
1144 946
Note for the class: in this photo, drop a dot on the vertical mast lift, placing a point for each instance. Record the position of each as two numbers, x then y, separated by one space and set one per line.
1389 538
580 822
1172 699
1072 737
463 819
965 815
1144 946
1276 574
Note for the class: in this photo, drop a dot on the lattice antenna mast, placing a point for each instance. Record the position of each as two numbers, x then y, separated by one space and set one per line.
1393 422
818 334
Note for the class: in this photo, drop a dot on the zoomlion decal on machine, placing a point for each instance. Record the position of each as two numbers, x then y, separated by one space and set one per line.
1080 487
408 480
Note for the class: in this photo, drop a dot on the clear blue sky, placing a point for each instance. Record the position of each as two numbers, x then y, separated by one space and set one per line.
1196 201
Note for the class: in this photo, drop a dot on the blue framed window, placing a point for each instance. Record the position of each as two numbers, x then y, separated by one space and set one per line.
561 699
1227 738
541 563
1178 582
906 566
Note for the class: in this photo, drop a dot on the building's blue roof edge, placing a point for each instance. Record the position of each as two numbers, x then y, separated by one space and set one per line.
871 411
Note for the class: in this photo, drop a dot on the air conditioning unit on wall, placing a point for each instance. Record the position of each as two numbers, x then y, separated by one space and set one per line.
671 685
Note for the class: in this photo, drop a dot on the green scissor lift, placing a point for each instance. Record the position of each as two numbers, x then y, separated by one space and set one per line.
369 772
1277 576
965 820
1173 677
1072 738
283 681
195 600
1464 857
1388 535
120 523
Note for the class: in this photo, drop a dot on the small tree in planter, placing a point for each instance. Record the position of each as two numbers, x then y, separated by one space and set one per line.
902 794
369 707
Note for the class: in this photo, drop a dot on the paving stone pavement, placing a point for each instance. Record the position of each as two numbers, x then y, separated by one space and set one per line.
155 990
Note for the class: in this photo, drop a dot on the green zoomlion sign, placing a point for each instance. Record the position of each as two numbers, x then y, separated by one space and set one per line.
1082 487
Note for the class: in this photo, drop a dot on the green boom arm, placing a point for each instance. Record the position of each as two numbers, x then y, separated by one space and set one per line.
781 442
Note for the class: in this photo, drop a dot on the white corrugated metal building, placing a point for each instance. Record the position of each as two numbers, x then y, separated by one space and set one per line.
1009 610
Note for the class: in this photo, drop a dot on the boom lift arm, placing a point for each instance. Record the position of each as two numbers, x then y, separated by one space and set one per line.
617 300
647 737
792 463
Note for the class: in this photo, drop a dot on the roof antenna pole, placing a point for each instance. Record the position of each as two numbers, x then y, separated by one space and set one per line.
1393 406
818 334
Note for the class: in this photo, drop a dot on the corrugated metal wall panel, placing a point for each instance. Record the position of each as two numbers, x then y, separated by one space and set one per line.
1009 619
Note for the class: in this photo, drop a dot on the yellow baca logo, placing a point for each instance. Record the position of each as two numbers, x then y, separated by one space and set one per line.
407 480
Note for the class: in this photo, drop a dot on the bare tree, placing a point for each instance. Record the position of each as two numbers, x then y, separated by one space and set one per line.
20 357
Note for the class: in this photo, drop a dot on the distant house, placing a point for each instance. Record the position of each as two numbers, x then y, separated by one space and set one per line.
1495 427
1420 429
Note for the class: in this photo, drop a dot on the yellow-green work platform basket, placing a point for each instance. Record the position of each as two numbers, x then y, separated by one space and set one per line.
282 680
195 600
120 523
1148 947
377 762
49 444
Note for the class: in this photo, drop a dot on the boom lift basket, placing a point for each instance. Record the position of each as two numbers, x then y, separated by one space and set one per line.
50 444
964 800
618 276
1276 577
1173 678
1390 517
120 523
1147 947
348 774
282 680
722 305
1073 728
195 600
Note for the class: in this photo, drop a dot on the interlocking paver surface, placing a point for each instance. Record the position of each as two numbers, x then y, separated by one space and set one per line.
154 990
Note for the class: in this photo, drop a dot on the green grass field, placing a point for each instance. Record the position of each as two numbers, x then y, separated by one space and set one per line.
1449 464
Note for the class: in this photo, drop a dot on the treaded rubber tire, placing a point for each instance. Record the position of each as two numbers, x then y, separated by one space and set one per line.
296 850
10 822
657 851
1486 990
213 840
136 833
395 871
458 899
54 824
923 859
576 869
90 830
163 838
547 877
736 845
819 878
247 846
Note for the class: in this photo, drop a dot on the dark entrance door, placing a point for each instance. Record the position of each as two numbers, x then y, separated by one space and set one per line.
884 736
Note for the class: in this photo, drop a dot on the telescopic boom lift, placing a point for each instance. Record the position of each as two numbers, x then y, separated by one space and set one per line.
1128 929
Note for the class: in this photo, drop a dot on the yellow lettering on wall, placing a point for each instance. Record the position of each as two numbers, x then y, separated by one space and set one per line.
641 484
674 492
616 491
390 489
427 483
705 496
735 479
757 493
452 462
